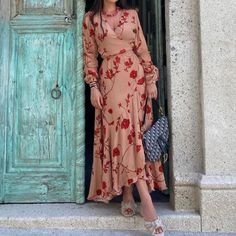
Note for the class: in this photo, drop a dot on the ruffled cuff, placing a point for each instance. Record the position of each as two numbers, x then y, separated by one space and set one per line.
91 76
151 72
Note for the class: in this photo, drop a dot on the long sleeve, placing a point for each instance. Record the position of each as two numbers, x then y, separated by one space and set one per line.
90 50
140 46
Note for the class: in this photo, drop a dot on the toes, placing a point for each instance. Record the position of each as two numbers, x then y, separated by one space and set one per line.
158 230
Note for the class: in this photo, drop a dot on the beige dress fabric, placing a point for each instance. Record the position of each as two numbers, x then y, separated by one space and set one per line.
118 154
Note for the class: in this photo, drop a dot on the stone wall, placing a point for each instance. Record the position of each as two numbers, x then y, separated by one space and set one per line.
183 62
201 49
218 99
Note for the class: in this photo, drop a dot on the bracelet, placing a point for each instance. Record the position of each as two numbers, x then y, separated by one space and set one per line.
92 84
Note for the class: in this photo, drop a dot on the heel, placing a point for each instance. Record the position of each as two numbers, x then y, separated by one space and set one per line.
153 226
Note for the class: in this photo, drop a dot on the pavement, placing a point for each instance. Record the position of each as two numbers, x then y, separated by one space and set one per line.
69 232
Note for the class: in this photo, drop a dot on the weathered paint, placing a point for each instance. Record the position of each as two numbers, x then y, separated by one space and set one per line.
80 110
41 138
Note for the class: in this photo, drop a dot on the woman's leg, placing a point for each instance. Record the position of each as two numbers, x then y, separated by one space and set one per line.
148 210
128 194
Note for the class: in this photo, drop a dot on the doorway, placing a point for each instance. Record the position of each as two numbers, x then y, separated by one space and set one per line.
154 31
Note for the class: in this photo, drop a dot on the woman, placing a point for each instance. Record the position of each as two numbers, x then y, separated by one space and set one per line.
119 89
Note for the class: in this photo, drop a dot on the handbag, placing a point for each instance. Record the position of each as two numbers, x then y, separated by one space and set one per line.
156 138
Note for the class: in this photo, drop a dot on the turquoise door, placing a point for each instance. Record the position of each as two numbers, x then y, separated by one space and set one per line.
37 135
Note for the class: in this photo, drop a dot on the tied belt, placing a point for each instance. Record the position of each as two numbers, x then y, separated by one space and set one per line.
121 52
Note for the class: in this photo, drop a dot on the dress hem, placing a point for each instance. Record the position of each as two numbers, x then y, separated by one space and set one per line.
98 198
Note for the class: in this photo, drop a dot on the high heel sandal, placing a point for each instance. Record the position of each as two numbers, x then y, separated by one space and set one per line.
128 209
154 225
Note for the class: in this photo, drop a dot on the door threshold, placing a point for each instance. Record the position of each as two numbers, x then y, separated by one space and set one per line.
91 215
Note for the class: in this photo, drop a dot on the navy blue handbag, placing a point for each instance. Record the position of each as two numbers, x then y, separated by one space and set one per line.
155 138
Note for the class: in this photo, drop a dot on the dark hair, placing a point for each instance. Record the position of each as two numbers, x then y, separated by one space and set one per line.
98 6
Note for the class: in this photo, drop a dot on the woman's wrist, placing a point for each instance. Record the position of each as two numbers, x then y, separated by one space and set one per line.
151 83
93 84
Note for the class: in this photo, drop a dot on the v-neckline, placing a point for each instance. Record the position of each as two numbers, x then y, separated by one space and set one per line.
114 31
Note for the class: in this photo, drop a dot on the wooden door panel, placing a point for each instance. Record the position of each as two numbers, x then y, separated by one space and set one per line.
39 7
36 124
34 187
39 151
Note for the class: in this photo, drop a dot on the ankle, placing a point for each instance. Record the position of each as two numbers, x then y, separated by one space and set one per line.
148 212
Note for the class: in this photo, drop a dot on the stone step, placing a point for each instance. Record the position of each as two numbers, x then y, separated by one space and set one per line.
96 232
91 215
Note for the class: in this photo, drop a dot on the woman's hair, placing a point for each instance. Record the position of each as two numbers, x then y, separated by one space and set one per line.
98 6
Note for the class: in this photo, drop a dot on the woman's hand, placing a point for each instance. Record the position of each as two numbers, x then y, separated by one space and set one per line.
96 98
151 91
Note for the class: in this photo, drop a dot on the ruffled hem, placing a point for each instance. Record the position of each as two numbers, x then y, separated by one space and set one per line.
151 187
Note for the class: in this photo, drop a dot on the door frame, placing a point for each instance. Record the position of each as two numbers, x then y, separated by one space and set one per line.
80 111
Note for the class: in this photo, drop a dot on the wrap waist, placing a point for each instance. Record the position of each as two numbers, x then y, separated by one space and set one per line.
121 52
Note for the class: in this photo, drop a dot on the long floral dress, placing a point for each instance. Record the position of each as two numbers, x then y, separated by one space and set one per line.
118 154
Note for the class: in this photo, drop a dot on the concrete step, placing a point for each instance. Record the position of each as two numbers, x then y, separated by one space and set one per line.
90 216
80 232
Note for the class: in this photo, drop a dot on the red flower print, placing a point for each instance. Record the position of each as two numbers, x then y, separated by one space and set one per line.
85 26
141 81
110 110
133 74
130 181
91 72
117 59
148 109
116 152
138 170
91 32
99 192
138 148
143 96
130 139
161 168
133 133
103 129
140 135
126 14
156 185
109 74
104 101
96 131
104 184
98 117
101 71
122 50
106 166
125 124
128 64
